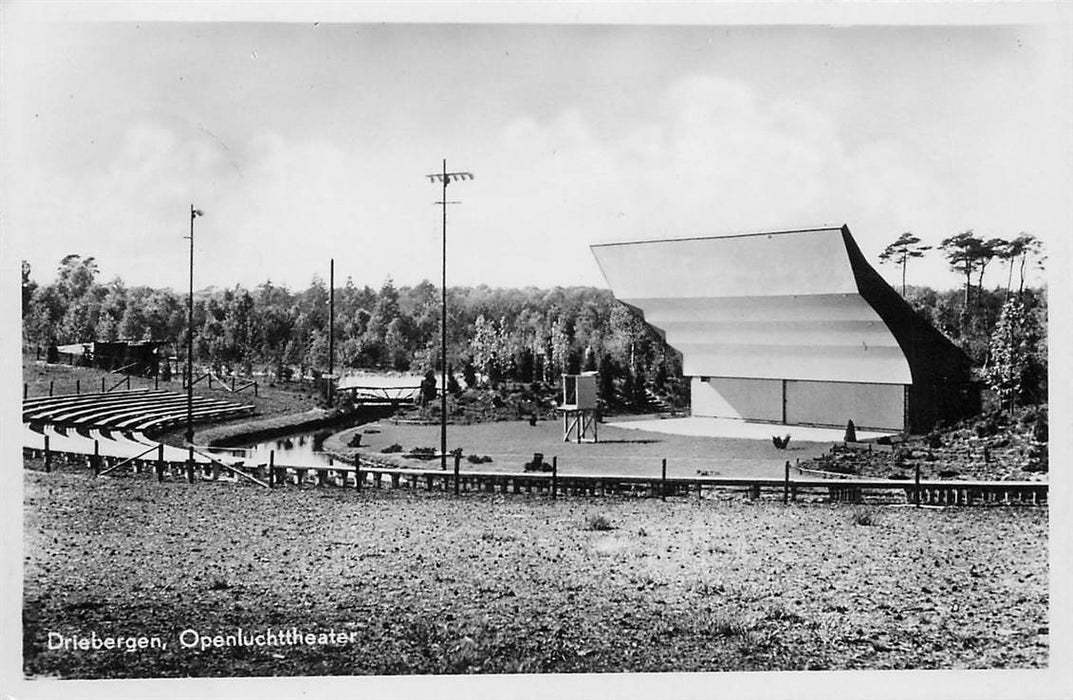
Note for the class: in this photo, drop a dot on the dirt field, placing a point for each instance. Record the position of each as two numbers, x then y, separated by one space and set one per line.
419 583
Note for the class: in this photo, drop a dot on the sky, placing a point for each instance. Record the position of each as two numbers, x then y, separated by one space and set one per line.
306 141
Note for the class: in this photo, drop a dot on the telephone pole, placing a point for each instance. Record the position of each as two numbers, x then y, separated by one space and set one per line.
445 177
194 213
331 330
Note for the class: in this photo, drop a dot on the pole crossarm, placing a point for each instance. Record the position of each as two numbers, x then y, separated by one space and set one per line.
447 178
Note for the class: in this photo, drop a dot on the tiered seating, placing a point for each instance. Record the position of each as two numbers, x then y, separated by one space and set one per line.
109 443
130 410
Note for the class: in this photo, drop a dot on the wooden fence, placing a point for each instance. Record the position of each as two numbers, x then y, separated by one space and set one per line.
555 484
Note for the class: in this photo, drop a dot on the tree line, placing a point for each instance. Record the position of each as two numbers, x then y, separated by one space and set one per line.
1003 332
494 335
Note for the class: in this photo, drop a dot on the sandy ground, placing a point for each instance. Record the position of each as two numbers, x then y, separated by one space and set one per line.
727 427
511 444
427 583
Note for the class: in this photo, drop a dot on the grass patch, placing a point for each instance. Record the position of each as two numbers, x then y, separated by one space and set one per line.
709 588
725 623
864 516
599 522
781 613
491 536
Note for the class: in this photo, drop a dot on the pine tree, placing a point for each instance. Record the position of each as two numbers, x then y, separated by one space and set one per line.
1011 355
907 246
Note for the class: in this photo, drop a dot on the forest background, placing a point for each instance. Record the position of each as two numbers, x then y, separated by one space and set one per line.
527 335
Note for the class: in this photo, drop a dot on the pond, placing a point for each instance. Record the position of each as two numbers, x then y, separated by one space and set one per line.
303 449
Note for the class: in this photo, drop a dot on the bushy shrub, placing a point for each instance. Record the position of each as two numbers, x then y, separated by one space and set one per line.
1037 459
988 426
1040 431
424 453
392 448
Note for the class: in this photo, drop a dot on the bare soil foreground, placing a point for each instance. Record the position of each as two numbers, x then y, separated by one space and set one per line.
420 583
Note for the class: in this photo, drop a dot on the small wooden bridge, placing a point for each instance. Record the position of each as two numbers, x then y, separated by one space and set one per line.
381 395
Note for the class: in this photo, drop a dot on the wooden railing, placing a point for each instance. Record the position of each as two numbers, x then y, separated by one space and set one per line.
554 484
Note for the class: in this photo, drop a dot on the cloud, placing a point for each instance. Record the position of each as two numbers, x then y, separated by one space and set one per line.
713 159
709 157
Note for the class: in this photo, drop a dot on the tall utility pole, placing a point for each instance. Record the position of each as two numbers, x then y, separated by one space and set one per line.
194 213
331 329
445 177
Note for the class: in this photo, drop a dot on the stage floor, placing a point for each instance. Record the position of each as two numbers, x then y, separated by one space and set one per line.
729 428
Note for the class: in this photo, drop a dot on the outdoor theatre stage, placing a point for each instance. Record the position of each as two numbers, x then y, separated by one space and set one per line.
700 426
792 328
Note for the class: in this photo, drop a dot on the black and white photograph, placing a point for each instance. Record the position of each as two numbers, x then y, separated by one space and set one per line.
517 350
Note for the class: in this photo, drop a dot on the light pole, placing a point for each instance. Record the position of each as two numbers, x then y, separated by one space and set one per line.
331 330
194 213
445 177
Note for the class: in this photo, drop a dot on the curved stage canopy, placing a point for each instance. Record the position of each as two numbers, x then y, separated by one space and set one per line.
791 327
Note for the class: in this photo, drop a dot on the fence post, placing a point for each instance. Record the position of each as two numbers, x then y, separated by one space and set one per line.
48 456
916 494
663 481
96 457
232 384
160 462
50 383
102 384
156 380
357 472
554 476
190 464
78 387
271 468
255 388
210 380
786 484
458 462
128 382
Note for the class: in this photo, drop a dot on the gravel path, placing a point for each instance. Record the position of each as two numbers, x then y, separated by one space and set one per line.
421 583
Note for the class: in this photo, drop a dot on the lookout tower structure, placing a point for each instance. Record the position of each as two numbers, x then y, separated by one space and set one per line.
579 407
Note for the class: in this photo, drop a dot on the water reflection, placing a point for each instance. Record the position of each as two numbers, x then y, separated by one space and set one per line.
294 450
